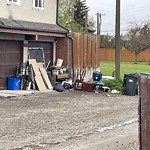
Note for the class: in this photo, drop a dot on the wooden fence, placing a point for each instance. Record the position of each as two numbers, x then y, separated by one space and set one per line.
86 50
108 54
62 50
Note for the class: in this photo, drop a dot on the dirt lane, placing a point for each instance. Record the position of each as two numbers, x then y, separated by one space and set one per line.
68 120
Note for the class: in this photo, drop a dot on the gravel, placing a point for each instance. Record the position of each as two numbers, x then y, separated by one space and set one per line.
69 120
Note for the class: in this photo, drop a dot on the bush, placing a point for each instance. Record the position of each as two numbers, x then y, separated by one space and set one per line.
114 84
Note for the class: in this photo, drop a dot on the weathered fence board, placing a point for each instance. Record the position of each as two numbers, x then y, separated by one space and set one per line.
144 112
86 50
108 54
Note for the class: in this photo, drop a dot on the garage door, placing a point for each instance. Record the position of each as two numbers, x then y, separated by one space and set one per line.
10 58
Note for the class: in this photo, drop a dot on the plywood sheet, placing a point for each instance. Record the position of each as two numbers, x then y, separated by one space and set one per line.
45 78
40 65
38 77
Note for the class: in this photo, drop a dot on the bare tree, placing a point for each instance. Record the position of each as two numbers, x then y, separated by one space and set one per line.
138 39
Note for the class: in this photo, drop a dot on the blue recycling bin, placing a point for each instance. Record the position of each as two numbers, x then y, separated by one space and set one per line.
13 83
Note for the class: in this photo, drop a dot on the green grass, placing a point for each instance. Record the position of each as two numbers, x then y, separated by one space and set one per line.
107 67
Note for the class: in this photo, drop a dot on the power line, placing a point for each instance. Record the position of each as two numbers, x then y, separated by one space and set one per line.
114 30
109 12
136 8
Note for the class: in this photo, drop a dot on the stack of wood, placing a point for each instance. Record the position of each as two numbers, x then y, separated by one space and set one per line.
39 76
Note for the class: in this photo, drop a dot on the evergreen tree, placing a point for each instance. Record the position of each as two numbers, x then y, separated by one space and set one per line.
80 9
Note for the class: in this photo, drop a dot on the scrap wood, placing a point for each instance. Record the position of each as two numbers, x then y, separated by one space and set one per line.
44 75
48 64
45 78
32 76
60 76
40 65
38 77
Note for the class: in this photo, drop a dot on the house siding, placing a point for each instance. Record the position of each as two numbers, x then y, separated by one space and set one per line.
25 11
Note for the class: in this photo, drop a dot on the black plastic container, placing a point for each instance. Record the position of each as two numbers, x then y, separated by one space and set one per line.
130 84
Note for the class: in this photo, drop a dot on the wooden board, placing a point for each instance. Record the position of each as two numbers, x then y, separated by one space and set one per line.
45 78
38 77
40 65
32 76
61 76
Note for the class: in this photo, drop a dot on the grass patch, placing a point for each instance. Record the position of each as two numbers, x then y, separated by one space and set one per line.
114 84
107 67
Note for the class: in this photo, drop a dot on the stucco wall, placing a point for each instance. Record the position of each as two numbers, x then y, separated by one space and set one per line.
26 12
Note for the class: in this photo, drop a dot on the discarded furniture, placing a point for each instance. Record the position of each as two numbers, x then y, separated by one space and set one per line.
88 86
79 79
58 74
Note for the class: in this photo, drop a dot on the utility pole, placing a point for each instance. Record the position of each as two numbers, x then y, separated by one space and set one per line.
86 22
99 22
72 21
117 41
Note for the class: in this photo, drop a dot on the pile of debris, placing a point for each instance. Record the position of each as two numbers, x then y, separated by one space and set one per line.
34 75
95 84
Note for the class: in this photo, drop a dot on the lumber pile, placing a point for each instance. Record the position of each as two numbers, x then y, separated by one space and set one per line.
39 76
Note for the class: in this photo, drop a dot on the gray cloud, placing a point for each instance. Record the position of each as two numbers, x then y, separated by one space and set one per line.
131 10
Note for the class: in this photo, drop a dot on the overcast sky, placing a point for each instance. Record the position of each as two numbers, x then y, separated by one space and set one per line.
131 11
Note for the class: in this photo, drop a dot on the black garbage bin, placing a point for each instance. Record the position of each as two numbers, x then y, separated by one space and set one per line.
130 84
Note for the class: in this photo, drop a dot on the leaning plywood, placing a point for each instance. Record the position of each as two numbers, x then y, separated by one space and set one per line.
45 78
38 77
40 65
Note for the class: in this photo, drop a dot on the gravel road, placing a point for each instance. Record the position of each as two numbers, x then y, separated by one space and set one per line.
71 120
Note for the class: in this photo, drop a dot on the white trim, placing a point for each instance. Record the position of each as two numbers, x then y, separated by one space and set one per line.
38 8
9 2
54 53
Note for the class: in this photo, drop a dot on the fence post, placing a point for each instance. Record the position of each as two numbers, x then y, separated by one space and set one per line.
144 112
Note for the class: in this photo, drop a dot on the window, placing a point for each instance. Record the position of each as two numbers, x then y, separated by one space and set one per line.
16 2
38 4
37 53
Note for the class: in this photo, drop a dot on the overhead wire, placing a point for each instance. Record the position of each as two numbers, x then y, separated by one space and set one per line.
128 10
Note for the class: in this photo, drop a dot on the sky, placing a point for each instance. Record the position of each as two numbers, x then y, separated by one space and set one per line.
131 11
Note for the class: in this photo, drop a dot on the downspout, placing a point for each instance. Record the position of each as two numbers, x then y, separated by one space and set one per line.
72 52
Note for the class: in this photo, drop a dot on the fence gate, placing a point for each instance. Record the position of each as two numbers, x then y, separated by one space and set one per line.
144 112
